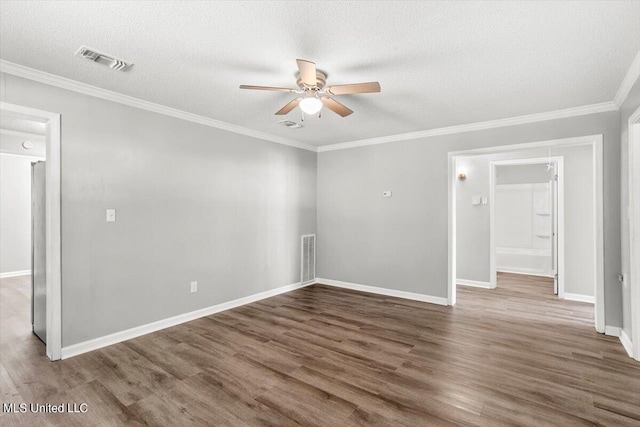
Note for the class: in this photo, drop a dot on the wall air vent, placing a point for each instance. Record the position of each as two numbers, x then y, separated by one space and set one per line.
103 58
308 258
290 124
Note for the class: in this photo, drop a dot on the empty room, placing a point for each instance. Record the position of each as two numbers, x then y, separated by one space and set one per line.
320 213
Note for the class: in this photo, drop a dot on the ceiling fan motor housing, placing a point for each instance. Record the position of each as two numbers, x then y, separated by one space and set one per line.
321 81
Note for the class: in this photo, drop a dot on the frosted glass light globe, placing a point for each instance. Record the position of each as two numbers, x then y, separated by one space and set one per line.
311 105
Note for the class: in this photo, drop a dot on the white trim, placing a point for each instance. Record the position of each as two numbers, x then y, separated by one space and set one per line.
626 343
593 140
24 156
472 127
613 331
127 334
20 134
64 83
53 224
562 142
473 283
627 83
493 268
598 266
580 298
383 291
451 235
634 231
14 274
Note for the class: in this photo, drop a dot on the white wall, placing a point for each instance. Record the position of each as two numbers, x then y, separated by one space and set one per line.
523 228
523 174
15 213
473 242
193 203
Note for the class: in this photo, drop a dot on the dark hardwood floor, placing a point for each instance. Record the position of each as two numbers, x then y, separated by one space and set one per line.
324 356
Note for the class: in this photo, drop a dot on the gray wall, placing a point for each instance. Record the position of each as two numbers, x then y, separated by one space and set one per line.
629 107
193 203
401 242
15 213
473 221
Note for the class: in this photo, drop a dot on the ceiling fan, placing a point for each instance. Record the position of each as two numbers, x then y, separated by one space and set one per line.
311 83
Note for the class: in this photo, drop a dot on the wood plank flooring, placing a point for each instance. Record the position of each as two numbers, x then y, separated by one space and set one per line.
322 356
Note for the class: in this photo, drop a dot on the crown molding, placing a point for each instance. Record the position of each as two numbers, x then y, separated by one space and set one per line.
627 83
40 76
65 83
471 127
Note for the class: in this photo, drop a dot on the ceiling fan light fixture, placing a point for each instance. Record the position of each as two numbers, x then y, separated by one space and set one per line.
310 105
311 83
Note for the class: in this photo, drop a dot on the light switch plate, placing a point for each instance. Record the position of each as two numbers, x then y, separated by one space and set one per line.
386 193
111 215
476 200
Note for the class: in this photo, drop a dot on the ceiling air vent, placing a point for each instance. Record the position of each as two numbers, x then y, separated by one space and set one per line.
290 124
103 58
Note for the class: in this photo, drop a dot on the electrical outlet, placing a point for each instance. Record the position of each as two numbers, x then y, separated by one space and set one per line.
194 287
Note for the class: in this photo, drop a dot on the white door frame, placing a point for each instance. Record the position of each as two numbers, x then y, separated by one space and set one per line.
596 141
559 161
53 224
634 230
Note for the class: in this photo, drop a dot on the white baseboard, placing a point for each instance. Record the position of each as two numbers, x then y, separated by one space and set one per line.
474 283
14 273
579 298
383 291
524 271
626 343
613 331
96 343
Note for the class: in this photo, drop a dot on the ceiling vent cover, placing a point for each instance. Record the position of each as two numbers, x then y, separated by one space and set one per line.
103 58
308 258
290 124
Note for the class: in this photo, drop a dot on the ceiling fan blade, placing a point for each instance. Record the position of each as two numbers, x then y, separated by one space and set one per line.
335 106
353 88
307 72
277 89
290 106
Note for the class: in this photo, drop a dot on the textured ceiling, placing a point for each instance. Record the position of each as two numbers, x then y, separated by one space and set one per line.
439 63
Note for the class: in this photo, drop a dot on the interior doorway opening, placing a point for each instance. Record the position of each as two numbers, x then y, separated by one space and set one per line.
470 216
526 219
27 131
630 334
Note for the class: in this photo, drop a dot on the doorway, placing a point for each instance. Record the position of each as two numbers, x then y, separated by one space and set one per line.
592 263
50 267
630 334
526 219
